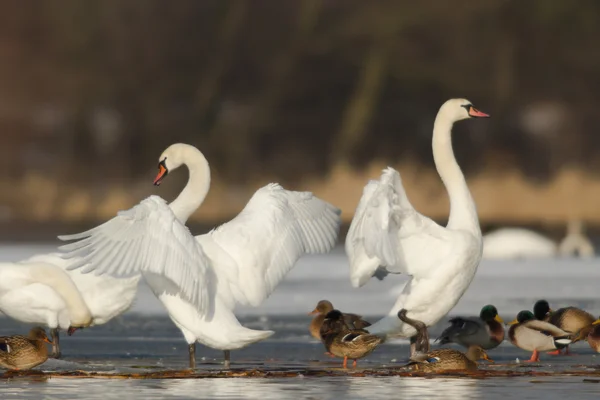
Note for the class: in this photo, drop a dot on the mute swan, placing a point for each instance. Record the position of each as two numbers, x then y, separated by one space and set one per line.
38 292
200 279
103 297
388 233
515 243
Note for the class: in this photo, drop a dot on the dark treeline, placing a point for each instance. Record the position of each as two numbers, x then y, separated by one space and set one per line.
295 86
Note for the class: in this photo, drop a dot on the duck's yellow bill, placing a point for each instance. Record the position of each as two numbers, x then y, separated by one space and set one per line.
498 319
596 322
514 321
313 312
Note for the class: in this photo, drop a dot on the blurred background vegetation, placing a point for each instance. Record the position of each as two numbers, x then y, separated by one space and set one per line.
315 94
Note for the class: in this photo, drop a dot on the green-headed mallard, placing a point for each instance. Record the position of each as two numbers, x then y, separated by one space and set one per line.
594 336
24 352
323 307
342 341
486 331
528 333
448 359
570 319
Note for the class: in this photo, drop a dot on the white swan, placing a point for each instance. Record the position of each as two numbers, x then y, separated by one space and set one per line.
519 243
200 279
516 243
37 292
388 233
94 300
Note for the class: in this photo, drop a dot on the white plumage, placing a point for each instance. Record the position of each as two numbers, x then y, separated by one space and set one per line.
388 233
201 279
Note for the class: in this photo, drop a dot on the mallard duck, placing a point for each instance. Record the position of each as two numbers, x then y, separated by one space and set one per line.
486 331
24 352
448 359
325 306
594 336
342 341
528 333
542 310
570 319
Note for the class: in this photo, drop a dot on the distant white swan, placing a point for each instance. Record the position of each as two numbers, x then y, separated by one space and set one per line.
520 243
200 279
40 291
515 243
388 233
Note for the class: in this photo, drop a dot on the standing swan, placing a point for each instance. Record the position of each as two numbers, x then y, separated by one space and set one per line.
200 279
388 233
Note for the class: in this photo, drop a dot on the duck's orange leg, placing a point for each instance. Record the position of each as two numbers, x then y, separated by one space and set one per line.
554 353
534 357
354 364
345 364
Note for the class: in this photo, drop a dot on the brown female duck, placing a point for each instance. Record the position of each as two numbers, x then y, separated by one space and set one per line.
570 319
448 359
323 307
24 352
342 341
594 336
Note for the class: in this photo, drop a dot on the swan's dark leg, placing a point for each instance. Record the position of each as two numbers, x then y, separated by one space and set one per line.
421 339
55 343
192 351
227 361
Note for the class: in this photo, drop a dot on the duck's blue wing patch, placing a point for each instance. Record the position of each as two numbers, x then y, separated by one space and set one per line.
432 360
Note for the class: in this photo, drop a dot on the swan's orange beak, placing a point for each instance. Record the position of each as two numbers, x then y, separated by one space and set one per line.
162 172
473 112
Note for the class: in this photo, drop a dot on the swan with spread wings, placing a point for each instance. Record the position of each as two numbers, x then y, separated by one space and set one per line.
388 235
201 279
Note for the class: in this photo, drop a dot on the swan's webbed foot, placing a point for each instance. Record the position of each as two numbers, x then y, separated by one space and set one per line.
55 343
192 351
227 358
419 342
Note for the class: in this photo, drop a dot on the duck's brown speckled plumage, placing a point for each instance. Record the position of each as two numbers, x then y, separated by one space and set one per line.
448 359
573 320
24 352
594 337
353 321
341 341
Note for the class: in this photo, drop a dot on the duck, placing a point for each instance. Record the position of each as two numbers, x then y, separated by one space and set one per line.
79 301
341 341
486 331
448 359
570 319
24 352
387 234
528 333
200 279
323 307
594 336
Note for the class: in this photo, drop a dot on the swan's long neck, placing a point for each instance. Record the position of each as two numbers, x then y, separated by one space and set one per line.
62 284
197 187
463 213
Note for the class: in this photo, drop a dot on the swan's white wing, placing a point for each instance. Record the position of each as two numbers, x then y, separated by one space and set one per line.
146 239
266 239
387 231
